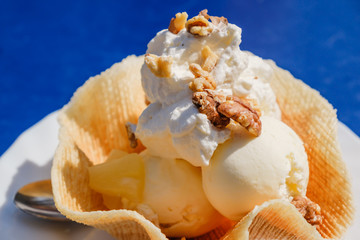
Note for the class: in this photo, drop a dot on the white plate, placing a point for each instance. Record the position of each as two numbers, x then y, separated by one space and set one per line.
29 159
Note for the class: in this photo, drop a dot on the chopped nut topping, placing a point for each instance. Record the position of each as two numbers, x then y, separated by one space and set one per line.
204 13
208 106
220 109
130 129
178 23
199 26
241 111
308 209
253 104
159 66
217 20
200 84
209 59
203 79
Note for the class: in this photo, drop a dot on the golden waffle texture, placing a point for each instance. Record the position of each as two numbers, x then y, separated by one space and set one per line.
93 123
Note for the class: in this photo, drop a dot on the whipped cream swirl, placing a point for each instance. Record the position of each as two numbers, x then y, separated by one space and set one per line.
171 126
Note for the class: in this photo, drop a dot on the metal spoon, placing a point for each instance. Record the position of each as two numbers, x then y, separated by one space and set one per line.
37 199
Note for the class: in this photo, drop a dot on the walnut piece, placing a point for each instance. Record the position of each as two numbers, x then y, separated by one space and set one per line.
200 84
241 111
178 23
199 26
203 79
209 59
253 104
220 109
159 66
208 106
308 209
217 20
204 13
130 129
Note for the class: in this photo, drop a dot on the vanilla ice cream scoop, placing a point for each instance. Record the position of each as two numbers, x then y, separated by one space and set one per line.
246 171
173 190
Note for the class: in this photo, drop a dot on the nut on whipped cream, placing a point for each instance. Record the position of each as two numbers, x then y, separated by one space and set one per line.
171 126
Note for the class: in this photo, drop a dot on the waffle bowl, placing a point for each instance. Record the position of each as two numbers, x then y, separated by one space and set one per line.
93 123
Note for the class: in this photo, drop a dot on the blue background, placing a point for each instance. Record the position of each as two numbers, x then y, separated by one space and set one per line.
49 48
